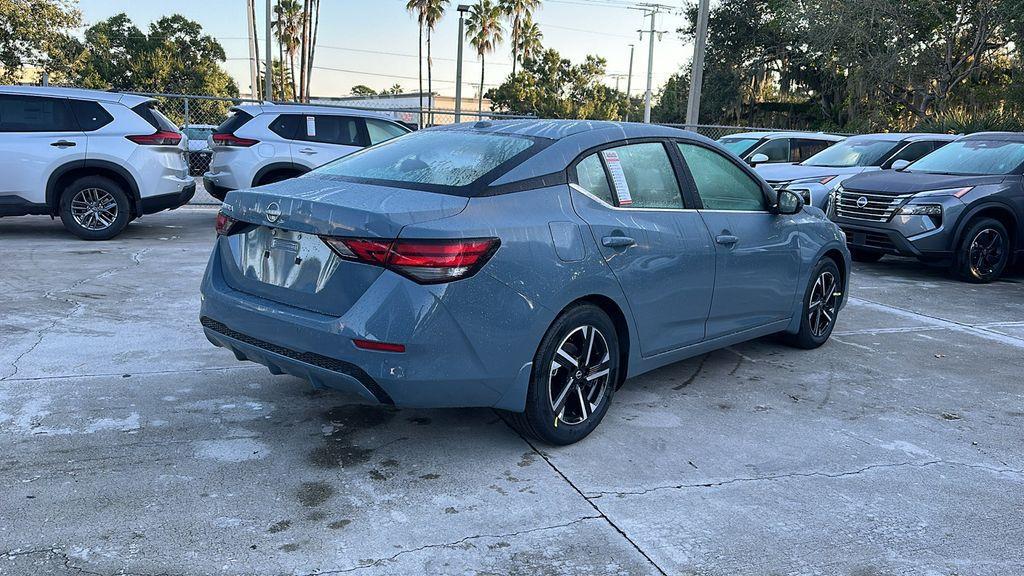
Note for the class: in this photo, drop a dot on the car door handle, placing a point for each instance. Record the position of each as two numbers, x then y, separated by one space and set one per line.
307 151
726 239
618 241
63 144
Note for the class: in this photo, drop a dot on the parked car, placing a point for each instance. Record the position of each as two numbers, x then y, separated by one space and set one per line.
776 147
527 265
263 144
816 177
96 159
962 204
199 153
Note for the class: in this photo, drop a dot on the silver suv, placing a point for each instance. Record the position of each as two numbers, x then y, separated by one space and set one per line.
262 144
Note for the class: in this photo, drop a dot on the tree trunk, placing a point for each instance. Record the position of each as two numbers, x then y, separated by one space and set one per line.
480 98
515 44
304 48
430 83
291 58
420 55
280 57
312 46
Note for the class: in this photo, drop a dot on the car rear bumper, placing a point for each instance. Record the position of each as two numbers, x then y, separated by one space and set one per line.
153 204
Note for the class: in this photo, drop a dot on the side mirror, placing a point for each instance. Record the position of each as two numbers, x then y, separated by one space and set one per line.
758 159
789 202
900 164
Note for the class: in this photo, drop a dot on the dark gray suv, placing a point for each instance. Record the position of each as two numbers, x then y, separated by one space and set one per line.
962 204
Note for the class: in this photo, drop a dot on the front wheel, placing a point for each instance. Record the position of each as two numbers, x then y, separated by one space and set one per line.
820 306
984 251
574 375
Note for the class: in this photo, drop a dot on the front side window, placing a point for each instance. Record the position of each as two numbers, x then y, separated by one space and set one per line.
341 130
642 176
591 177
434 158
739 146
853 152
381 131
35 114
973 158
776 150
721 184
912 152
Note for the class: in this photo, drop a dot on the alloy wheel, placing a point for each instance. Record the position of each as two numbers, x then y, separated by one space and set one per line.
94 209
579 375
986 252
822 304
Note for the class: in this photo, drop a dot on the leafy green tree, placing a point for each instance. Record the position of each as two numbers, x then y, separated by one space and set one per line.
362 90
530 41
483 27
288 29
37 33
518 11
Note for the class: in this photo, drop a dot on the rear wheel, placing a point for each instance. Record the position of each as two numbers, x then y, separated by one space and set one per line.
820 307
984 251
574 375
861 255
95 208
278 176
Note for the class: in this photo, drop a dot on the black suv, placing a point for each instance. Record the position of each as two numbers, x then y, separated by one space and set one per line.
962 204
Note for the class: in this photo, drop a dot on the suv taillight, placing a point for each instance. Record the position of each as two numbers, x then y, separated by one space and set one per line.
161 138
233 141
423 261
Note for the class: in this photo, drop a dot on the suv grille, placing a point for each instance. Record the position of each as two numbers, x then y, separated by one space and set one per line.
870 206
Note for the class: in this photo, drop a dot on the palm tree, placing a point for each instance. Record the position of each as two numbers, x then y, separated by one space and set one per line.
288 28
484 31
517 10
433 10
418 7
529 43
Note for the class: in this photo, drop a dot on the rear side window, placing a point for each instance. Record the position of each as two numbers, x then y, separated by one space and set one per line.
381 131
643 176
156 119
286 126
90 115
35 114
340 130
720 183
591 177
801 149
237 119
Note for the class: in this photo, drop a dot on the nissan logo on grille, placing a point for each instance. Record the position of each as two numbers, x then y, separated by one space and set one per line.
861 202
273 212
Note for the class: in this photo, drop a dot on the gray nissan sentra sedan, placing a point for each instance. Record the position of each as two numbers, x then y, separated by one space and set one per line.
530 266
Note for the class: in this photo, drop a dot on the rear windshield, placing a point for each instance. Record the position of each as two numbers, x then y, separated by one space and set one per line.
237 119
973 158
155 118
853 152
196 133
430 159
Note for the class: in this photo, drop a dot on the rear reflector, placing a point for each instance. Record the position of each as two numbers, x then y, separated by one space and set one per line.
161 138
233 141
379 346
424 261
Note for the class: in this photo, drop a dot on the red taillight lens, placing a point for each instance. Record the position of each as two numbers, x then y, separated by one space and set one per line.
161 138
425 261
379 346
234 141
225 223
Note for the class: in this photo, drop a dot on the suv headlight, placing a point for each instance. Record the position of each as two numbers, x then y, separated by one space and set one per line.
921 210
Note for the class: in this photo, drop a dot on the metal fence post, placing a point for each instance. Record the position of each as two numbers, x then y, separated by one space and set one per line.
186 113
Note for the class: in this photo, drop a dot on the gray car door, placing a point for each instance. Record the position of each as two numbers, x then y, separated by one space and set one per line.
757 251
656 245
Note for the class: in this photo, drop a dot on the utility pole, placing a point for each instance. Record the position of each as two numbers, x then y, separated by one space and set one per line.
651 10
463 8
697 70
268 93
629 81
254 76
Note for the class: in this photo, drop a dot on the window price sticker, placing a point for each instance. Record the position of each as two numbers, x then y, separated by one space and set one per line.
611 159
310 126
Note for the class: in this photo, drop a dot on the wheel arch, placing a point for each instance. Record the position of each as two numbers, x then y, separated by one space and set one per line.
995 210
63 176
265 171
610 307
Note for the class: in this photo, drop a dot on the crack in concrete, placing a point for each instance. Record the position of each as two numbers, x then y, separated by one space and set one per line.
76 305
138 373
381 561
775 477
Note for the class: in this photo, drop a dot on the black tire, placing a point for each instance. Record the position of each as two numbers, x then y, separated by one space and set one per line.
984 251
112 208
861 255
539 421
820 307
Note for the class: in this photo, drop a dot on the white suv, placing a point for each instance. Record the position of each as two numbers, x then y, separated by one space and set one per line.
96 159
262 144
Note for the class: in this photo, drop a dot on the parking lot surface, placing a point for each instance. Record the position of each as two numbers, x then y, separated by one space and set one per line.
131 445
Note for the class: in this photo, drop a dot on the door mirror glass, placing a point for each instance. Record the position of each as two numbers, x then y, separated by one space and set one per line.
758 159
789 202
900 164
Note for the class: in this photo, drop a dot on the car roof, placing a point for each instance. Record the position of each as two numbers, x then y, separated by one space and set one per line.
271 108
996 136
130 100
787 134
906 136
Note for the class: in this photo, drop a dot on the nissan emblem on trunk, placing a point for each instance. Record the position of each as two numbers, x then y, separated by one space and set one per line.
273 212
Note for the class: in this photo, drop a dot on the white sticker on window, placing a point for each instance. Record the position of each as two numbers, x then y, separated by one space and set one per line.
310 126
611 158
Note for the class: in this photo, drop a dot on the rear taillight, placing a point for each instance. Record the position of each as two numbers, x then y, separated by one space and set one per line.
161 138
233 141
225 223
424 261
